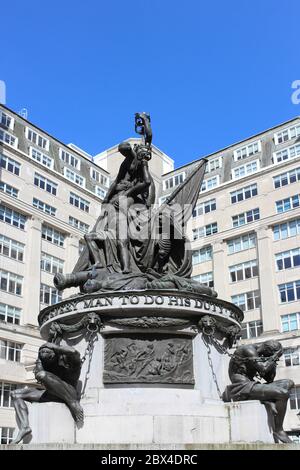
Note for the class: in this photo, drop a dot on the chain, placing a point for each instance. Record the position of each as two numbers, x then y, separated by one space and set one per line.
93 337
209 334
210 362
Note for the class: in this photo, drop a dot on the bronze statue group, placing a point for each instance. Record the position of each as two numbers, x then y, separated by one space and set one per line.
115 259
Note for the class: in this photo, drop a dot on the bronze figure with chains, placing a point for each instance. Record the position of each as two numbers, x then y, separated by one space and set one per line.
252 361
57 370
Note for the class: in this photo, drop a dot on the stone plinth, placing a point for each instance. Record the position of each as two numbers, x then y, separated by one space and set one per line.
153 375
207 423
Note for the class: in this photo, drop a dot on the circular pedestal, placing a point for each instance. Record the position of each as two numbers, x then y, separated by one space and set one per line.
150 370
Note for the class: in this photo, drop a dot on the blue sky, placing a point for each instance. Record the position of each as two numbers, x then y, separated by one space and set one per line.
210 73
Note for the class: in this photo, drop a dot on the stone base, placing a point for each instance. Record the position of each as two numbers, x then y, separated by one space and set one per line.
156 447
211 422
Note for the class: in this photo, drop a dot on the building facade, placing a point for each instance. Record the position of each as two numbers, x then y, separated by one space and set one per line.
245 234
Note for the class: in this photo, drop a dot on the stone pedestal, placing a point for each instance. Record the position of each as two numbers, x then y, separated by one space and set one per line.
153 375
200 423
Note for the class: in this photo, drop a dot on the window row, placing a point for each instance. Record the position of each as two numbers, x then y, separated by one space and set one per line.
286 178
49 295
10 351
51 264
173 181
11 217
205 278
288 259
289 291
78 224
242 271
205 207
6 120
43 206
205 231
8 189
245 217
11 248
10 282
10 314
10 164
252 329
247 300
286 230
287 204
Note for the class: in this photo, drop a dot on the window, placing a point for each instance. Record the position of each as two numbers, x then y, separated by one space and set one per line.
99 177
42 206
288 259
8 189
205 207
10 351
286 230
53 236
295 398
37 139
10 314
5 391
287 204
173 181
244 170
290 322
6 435
74 177
289 292
243 271
247 301
10 282
205 278
247 150
243 193
291 357
205 231
49 295
245 218
41 158
70 159
100 192
79 202
286 154
10 164
45 184
241 243
6 120
252 329
213 165
287 134
286 178
8 138
202 255
12 217
11 248
78 224
51 264
210 183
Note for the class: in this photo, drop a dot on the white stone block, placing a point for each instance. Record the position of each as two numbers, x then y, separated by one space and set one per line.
249 422
190 429
116 430
51 422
